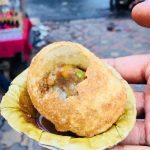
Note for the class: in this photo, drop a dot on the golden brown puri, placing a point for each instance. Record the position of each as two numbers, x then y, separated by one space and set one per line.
97 100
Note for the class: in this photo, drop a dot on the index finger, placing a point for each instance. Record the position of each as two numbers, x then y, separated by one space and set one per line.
134 69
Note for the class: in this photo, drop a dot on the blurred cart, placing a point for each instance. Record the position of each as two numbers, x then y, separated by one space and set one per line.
14 35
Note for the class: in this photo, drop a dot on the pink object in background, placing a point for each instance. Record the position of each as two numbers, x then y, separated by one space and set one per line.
8 48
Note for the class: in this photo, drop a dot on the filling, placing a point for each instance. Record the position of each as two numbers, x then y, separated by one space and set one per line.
63 80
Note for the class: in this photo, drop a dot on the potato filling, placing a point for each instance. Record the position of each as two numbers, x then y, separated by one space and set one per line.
63 80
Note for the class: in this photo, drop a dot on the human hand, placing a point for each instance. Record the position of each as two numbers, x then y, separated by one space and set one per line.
141 13
136 69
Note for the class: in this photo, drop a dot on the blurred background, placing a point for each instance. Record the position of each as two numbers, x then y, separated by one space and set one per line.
103 26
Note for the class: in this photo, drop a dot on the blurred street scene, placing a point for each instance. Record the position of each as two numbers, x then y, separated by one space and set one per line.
103 26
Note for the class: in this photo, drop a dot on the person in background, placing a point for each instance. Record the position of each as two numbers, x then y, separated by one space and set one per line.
137 72
4 81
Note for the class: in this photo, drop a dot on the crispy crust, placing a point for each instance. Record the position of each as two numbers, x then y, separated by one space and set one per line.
101 99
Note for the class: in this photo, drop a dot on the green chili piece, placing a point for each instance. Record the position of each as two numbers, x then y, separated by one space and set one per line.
80 74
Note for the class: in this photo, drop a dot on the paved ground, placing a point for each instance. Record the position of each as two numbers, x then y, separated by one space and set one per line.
66 9
127 38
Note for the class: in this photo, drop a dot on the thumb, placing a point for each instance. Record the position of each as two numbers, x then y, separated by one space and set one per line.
130 147
141 14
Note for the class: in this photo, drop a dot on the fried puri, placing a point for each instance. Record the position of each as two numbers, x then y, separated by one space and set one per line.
75 90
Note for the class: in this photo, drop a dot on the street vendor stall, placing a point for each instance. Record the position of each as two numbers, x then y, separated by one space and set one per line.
14 33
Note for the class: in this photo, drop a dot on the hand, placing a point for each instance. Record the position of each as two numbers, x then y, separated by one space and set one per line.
136 69
141 13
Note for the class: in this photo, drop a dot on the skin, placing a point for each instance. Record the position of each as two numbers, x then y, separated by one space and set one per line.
136 69
141 14
137 72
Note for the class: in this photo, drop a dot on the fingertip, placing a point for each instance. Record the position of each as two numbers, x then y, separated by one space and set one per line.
141 14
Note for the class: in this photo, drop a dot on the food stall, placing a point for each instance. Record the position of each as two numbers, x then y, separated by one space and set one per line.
14 34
